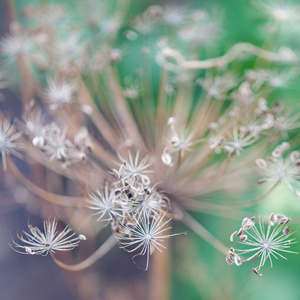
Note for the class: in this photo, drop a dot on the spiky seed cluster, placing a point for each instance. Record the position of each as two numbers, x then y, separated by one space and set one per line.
51 139
49 241
260 243
283 169
9 143
134 209
144 235
178 143
228 115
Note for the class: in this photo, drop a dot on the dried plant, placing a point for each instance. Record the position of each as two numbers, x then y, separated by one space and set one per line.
138 155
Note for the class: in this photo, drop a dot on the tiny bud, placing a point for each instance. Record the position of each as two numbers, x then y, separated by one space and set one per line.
174 140
285 146
171 121
240 232
231 251
167 159
272 219
245 221
87 109
280 216
284 220
297 162
261 163
294 155
38 141
256 272
243 238
82 237
229 260
237 260
263 180
232 236
277 152
29 251
286 230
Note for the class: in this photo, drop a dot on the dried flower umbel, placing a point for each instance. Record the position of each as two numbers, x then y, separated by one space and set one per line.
41 243
260 243
136 155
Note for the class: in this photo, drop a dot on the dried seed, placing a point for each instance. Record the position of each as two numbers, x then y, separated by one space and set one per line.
256 272
286 230
229 260
82 237
261 163
237 260
294 155
232 236
272 219
243 238
240 232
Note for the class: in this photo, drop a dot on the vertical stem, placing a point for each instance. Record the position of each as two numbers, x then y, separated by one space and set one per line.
160 274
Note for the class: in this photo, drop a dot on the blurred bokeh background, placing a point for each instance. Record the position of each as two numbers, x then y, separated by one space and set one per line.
198 271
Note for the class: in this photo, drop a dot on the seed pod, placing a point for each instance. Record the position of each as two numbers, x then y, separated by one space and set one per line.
240 232
280 216
231 251
297 162
284 221
82 237
286 231
229 260
263 180
256 272
29 250
272 219
294 156
232 236
261 163
243 238
245 221
237 260
277 152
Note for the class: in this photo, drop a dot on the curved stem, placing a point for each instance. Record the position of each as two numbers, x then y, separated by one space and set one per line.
99 253
203 233
253 201
48 196
212 209
228 57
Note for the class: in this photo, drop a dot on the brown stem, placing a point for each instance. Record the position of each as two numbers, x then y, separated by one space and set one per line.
99 253
203 233
253 201
48 196
160 274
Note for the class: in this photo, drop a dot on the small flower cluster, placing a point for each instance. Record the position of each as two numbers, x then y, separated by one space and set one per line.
9 141
282 169
51 139
261 243
178 143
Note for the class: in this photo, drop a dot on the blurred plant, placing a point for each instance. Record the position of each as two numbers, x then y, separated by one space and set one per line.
145 154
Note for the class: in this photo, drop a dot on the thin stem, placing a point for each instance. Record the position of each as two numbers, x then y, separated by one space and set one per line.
253 201
228 57
160 273
99 253
203 233
48 196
